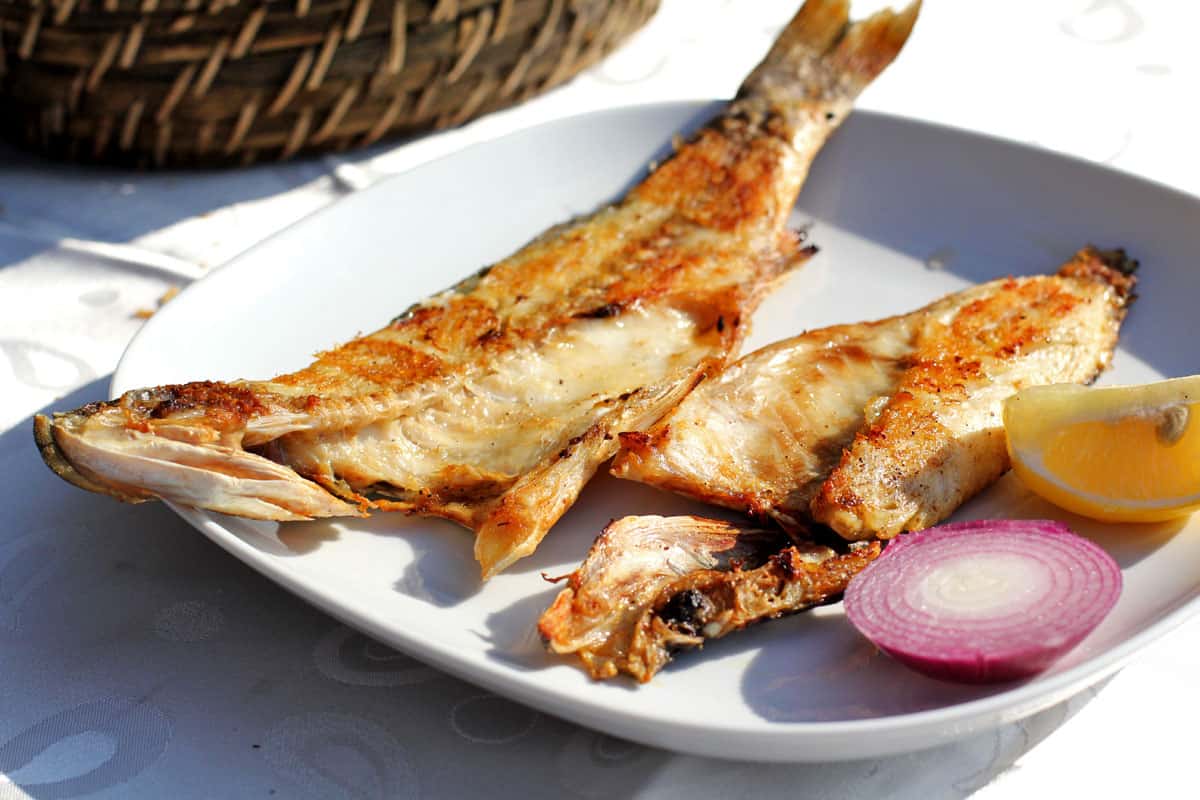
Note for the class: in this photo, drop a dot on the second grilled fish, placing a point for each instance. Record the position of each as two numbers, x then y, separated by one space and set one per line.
881 427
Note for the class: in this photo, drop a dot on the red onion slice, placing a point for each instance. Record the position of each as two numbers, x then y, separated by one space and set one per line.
984 601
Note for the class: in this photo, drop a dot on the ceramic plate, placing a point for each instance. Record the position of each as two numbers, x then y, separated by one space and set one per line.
903 212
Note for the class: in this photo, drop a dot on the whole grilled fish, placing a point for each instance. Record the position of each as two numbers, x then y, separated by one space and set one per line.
493 403
651 586
882 427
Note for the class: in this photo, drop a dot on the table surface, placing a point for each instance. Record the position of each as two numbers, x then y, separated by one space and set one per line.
138 659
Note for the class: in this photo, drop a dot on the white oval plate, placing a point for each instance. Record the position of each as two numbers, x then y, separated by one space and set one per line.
903 212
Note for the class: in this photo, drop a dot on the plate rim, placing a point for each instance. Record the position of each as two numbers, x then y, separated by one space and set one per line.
952 720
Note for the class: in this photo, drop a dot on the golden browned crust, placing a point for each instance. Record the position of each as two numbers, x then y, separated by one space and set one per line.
635 461
721 182
1113 267
912 467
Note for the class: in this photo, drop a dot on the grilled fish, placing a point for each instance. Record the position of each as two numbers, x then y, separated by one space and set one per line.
653 585
882 427
493 403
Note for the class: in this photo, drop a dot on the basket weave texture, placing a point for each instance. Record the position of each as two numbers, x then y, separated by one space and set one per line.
187 82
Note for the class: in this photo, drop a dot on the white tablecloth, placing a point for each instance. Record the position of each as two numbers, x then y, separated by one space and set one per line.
139 660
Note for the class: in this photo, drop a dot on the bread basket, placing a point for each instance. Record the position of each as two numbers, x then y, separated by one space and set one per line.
201 82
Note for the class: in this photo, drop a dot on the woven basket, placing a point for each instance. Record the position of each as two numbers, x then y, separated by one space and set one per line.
169 82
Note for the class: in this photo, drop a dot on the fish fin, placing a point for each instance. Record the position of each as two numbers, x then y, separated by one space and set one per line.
138 466
513 527
57 461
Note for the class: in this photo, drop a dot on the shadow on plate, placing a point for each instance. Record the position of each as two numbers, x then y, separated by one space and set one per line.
301 538
512 634
823 670
1127 543
442 570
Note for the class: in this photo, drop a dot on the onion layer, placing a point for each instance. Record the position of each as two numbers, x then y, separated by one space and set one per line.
984 601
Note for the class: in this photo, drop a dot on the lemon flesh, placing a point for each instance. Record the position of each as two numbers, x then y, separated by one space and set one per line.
1121 453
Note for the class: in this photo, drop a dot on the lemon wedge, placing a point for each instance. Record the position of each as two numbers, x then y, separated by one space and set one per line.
1119 454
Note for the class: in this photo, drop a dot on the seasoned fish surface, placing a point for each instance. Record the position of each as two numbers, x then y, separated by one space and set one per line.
651 586
762 435
882 427
493 403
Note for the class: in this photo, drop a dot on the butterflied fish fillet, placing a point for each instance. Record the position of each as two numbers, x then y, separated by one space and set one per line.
882 427
494 402
653 585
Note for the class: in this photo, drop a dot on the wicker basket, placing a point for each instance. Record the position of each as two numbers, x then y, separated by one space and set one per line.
167 82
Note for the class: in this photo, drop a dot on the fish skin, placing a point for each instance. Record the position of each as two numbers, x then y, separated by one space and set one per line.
761 435
876 428
464 406
940 438
651 586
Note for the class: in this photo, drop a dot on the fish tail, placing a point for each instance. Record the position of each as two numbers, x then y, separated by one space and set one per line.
822 58
868 47
746 167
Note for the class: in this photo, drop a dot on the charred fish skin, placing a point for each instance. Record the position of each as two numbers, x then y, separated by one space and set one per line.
493 403
652 586
880 427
